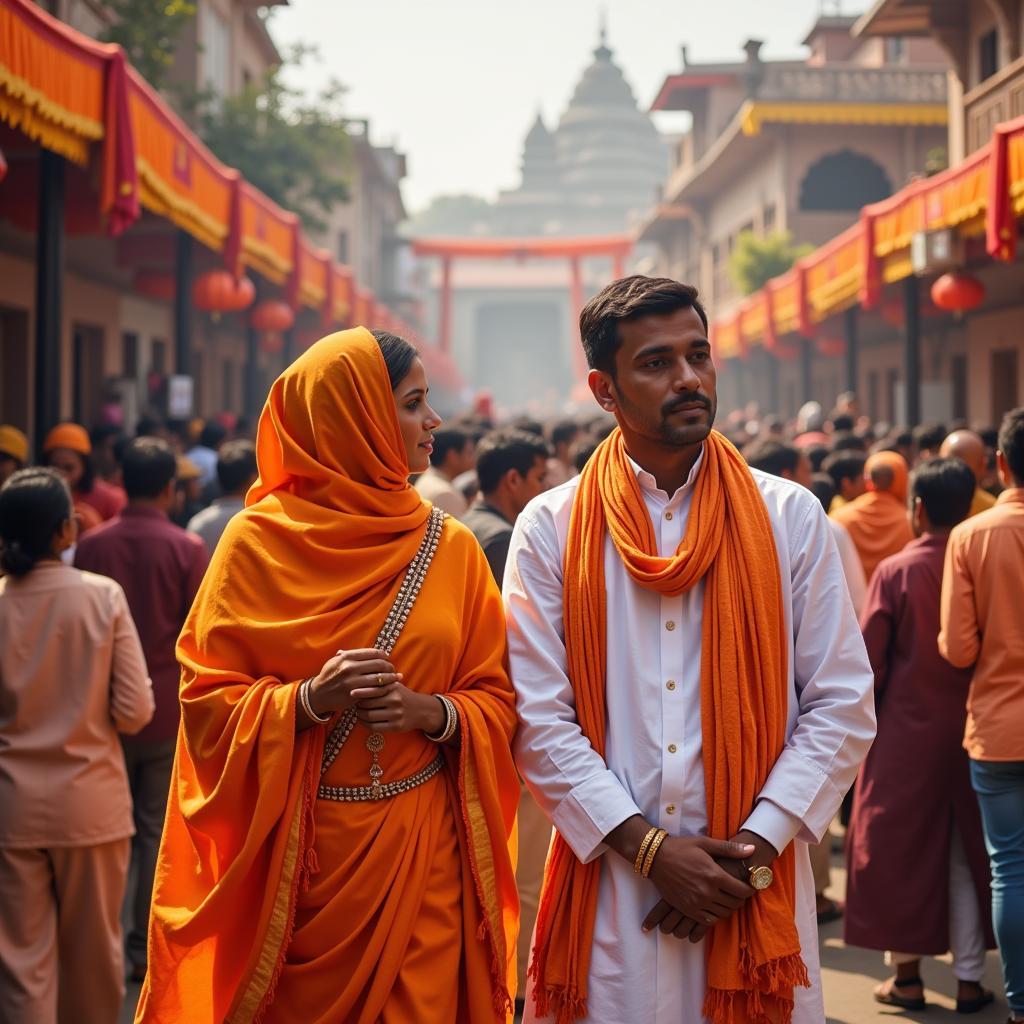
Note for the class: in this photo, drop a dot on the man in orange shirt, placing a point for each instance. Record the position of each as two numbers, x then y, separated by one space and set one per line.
982 625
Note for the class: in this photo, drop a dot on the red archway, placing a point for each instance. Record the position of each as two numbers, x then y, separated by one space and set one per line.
575 250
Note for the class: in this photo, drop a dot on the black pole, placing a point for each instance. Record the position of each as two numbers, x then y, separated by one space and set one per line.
912 351
852 350
49 294
253 398
183 304
806 370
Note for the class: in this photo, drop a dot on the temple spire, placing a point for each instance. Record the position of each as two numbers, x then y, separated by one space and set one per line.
603 52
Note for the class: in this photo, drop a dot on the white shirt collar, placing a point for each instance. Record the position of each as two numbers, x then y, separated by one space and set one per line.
650 486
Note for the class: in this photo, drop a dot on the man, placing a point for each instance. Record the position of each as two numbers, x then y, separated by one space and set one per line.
13 450
563 436
204 454
512 467
846 467
451 457
970 449
160 567
983 627
928 438
877 520
236 473
810 425
647 601
904 896
791 463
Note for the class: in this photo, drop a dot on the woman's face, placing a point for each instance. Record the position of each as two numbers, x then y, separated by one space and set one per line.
68 463
417 420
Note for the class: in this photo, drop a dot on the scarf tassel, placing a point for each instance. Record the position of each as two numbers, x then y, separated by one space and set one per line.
763 1000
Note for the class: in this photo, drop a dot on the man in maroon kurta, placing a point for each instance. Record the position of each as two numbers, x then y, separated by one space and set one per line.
918 872
160 567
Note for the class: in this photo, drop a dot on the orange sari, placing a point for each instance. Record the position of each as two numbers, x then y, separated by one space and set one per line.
273 905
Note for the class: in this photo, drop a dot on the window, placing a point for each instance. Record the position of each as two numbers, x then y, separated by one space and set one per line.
158 357
1004 383
88 372
343 247
843 181
215 52
892 383
130 355
958 371
895 50
988 54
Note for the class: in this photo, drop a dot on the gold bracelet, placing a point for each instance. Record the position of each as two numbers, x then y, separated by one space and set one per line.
307 706
642 852
655 846
451 721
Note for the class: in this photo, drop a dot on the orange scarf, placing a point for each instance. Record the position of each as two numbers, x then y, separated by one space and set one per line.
311 565
753 958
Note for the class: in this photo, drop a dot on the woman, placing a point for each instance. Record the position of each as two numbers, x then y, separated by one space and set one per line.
67 448
365 877
72 675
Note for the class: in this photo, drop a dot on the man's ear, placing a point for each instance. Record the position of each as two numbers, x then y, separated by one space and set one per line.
601 386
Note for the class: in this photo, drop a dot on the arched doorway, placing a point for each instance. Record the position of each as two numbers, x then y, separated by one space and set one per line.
841 181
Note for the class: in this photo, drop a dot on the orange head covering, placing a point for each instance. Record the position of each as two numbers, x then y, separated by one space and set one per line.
310 566
70 436
877 521
888 472
753 957
13 442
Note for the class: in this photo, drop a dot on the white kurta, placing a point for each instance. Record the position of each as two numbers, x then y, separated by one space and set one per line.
653 764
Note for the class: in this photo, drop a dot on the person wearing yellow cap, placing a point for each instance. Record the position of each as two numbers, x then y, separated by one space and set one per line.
67 448
13 450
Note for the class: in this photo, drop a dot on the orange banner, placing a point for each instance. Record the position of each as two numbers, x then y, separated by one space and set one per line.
834 274
786 302
51 80
313 265
725 338
179 178
267 235
341 294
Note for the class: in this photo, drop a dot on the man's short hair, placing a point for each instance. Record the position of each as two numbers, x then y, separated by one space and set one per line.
929 436
946 489
450 439
505 450
844 465
824 489
629 299
1011 442
236 466
842 422
817 454
847 440
147 467
212 435
775 457
565 432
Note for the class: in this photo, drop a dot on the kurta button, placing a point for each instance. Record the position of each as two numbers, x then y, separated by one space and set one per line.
671 809
668 515
670 685
671 748
670 625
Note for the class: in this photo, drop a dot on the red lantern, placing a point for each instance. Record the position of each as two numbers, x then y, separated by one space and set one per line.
831 346
155 284
215 292
245 292
957 292
272 342
272 315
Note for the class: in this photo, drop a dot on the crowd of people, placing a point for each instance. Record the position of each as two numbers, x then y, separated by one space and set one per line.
172 603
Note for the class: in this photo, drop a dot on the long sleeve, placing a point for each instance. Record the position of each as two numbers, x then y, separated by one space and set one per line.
836 719
569 780
877 626
131 692
959 633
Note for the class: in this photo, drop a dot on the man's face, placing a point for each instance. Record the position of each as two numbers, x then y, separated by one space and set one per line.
463 460
526 488
8 466
663 389
851 487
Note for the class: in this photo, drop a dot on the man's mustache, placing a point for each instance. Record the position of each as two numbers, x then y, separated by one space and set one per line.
678 403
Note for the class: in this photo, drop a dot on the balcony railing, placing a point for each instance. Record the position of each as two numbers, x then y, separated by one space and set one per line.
999 98
851 85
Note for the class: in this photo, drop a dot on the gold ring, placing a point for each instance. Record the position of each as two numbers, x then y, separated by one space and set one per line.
708 919
380 680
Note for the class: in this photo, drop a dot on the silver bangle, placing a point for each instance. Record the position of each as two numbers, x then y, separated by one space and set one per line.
306 706
451 722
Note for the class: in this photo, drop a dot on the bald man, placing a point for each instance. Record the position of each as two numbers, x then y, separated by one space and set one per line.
968 447
878 521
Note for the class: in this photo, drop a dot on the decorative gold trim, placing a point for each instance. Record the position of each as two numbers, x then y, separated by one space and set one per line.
754 114
159 197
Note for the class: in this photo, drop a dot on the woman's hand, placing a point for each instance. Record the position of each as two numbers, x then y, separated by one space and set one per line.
366 672
396 708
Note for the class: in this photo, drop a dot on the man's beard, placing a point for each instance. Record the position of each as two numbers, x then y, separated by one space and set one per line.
675 435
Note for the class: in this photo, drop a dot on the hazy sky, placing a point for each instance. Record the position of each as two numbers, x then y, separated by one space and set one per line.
455 84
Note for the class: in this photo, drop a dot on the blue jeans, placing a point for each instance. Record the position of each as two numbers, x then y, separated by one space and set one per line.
1000 789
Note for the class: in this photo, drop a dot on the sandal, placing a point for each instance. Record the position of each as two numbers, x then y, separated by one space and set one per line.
890 998
979 1002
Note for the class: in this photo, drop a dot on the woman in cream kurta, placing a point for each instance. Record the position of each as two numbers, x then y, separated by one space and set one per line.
72 675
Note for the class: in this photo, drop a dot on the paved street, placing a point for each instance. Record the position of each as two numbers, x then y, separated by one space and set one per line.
849 975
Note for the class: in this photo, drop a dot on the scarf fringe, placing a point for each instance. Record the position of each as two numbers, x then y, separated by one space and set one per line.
308 865
556 1001
767 999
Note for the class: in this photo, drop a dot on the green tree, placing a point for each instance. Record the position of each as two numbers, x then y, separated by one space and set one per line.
292 146
149 31
755 261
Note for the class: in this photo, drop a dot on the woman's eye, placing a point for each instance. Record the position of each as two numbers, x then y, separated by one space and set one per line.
413 405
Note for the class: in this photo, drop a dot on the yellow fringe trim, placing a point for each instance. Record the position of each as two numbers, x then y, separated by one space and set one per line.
161 198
